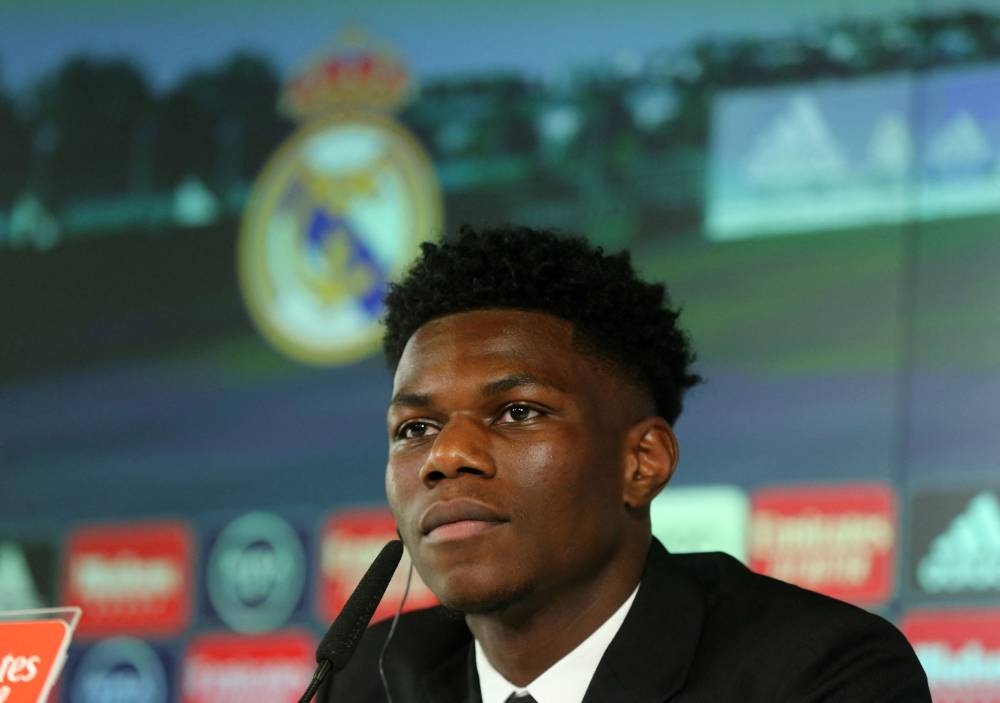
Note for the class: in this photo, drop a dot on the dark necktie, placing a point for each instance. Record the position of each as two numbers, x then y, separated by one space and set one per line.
526 698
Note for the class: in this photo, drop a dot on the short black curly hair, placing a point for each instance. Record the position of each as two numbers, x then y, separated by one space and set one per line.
616 316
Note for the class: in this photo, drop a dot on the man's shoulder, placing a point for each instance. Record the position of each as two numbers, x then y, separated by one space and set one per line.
727 583
422 639
806 639
730 588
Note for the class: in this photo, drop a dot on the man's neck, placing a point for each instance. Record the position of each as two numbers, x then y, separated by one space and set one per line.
525 639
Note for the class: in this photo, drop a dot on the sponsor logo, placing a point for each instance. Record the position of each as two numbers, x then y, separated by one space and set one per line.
796 148
960 146
339 210
839 540
351 540
843 154
960 651
225 668
117 670
133 578
964 557
256 573
890 148
27 570
702 519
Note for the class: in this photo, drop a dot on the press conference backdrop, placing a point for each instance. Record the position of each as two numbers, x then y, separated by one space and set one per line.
201 206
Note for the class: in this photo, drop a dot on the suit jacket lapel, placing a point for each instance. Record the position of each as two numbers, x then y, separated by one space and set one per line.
647 661
455 680
649 658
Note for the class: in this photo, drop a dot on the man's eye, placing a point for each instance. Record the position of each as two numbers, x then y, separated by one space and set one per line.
518 413
415 430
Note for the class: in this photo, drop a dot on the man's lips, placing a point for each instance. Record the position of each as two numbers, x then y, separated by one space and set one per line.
460 510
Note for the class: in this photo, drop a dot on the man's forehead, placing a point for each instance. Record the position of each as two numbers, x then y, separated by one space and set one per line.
492 343
491 332
509 321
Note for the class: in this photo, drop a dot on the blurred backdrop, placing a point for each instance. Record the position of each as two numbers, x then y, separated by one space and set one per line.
201 205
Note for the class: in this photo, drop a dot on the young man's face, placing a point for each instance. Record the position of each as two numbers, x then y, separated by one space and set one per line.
506 462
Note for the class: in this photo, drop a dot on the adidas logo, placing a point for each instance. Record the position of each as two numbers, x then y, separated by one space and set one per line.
797 149
890 149
17 588
966 556
960 143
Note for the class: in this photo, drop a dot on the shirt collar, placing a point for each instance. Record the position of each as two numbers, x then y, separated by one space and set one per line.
567 680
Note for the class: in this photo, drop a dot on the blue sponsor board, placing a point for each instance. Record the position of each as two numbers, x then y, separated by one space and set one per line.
843 154
256 573
120 669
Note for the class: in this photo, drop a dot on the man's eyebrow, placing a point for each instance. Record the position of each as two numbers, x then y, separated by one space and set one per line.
501 385
411 400
517 380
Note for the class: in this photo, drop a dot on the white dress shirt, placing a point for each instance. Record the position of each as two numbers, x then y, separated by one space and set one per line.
567 680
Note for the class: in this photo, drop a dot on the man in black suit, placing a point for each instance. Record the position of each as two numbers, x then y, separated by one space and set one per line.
536 384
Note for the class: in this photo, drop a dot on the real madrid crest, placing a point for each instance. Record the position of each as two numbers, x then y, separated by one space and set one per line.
339 210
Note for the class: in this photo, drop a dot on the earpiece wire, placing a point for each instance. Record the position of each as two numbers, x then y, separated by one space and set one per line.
392 631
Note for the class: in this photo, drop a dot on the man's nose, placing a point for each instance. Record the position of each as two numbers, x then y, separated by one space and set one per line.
461 447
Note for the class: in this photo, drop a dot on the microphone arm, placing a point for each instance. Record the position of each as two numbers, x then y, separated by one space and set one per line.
344 634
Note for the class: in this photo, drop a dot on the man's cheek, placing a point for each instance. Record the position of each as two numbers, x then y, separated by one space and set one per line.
536 466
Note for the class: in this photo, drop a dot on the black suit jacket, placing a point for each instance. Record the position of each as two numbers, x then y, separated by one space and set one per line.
703 629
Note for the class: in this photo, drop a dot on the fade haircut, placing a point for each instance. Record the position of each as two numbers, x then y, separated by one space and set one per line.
616 317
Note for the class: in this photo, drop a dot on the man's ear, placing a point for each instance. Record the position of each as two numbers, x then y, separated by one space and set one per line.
650 462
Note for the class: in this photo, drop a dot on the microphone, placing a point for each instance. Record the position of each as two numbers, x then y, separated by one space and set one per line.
344 634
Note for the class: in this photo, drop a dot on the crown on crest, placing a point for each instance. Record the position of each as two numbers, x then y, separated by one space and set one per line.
355 72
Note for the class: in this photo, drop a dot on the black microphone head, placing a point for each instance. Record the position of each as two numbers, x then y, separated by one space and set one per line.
344 634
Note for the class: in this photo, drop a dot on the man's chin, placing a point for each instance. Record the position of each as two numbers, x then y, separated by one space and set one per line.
482 601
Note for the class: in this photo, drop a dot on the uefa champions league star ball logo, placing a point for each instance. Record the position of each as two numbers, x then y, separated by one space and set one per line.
339 210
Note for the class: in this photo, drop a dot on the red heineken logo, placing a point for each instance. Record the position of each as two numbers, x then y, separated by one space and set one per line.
130 578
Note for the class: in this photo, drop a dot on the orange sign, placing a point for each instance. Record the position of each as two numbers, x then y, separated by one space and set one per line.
31 656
